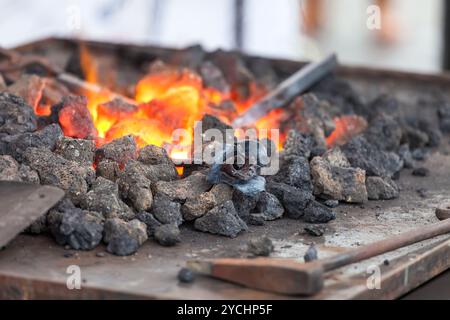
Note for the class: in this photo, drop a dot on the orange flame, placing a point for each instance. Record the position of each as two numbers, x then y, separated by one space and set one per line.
167 99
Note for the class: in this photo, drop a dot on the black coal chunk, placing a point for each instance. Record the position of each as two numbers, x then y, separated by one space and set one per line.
124 238
269 206
316 212
245 203
47 138
381 188
104 198
261 246
222 220
108 169
16 116
120 150
80 229
298 144
295 171
167 235
135 187
384 132
57 171
151 222
78 150
166 210
294 200
362 154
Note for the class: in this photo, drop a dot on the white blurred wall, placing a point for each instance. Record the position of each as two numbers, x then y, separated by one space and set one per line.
272 27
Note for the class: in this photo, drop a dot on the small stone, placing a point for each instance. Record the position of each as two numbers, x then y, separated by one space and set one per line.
108 169
421 172
78 150
311 254
331 203
256 219
294 200
28 175
100 254
269 206
153 155
298 144
124 238
316 212
195 208
120 150
135 187
261 246
376 162
386 262
338 183
46 138
81 230
315 230
166 210
104 198
381 188
187 188
62 173
222 220
9 169
16 115
167 235
150 220
186 275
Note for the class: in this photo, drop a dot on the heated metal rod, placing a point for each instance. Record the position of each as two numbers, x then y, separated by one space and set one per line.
296 84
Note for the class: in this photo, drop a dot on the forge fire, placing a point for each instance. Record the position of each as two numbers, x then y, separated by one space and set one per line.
111 147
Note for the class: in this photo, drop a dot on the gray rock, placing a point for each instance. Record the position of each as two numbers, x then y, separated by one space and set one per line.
294 200
261 246
194 208
28 175
166 210
104 198
167 235
381 188
297 144
295 172
187 188
9 169
108 169
135 187
153 155
120 150
151 222
124 238
269 206
46 138
222 220
310 254
16 116
78 150
62 173
316 212
338 183
368 157
81 230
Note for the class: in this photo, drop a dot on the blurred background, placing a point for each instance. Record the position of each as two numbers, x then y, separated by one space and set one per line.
396 34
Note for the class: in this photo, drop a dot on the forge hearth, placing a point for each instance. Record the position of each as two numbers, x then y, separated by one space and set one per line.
117 162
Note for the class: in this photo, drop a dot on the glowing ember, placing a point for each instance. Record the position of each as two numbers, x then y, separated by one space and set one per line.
166 99
346 128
